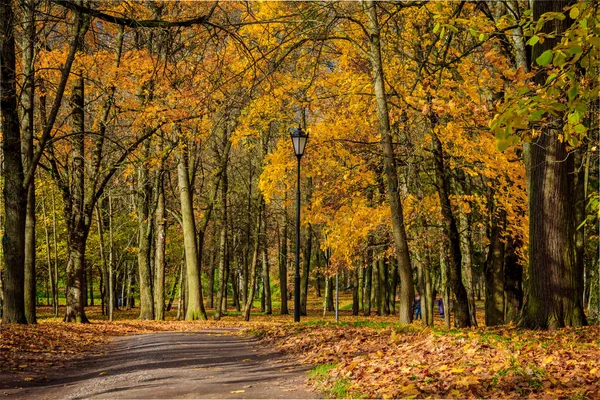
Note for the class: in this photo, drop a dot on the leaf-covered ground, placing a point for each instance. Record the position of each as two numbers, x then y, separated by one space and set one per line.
359 357
412 362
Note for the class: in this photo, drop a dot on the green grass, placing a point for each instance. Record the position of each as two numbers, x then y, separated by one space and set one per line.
340 387
320 371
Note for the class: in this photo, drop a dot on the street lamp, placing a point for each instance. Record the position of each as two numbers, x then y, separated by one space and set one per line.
299 139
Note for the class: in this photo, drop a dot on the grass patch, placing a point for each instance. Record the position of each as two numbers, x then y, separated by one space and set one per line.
335 387
320 371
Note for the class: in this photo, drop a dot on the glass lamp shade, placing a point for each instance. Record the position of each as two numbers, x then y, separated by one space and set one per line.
299 139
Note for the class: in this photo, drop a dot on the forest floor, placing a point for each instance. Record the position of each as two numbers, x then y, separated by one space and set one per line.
372 357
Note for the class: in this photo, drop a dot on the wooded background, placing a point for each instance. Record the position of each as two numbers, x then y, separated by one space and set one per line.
146 157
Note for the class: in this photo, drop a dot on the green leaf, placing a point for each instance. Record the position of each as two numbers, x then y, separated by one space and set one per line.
545 58
536 116
573 141
436 27
502 145
575 50
572 93
579 128
481 37
551 78
533 40
574 13
573 118
559 59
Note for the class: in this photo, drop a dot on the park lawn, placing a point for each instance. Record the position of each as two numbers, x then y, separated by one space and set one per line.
370 357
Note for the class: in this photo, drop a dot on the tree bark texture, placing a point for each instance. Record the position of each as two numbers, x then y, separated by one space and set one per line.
461 305
399 231
13 241
554 295
195 307
27 130
144 198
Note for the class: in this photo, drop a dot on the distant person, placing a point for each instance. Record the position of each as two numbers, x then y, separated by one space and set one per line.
417 306
440 304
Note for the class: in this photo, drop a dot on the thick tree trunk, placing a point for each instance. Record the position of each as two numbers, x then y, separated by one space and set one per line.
74 211
160 243
195 306
144 195
27 130
14 194
75 286
461 305
554 295
407 292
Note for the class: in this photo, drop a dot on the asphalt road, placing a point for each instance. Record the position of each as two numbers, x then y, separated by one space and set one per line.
209 364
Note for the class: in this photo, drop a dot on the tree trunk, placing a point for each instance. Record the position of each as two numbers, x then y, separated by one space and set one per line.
53 283
253 267
74 211
160 243
494 273
554 295
355 290
306 269
144 195
399 231
461 305
283 256
222 282
376 281
265 264
513 282
111 252
383 287
103 261
173 291
368 285
467 251
15 204
27 130
195 307
444 288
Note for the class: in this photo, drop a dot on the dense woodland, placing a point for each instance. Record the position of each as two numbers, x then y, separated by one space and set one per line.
146 158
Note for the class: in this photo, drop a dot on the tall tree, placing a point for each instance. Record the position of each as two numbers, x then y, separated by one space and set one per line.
398 228
14 192
554 293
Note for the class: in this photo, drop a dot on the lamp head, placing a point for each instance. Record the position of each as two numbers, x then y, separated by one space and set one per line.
299 139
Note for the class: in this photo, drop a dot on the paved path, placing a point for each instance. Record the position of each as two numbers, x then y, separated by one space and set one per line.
210 364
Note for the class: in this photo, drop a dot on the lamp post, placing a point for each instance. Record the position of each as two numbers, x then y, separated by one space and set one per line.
299 139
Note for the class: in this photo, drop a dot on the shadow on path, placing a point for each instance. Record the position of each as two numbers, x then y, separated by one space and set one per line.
208 364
